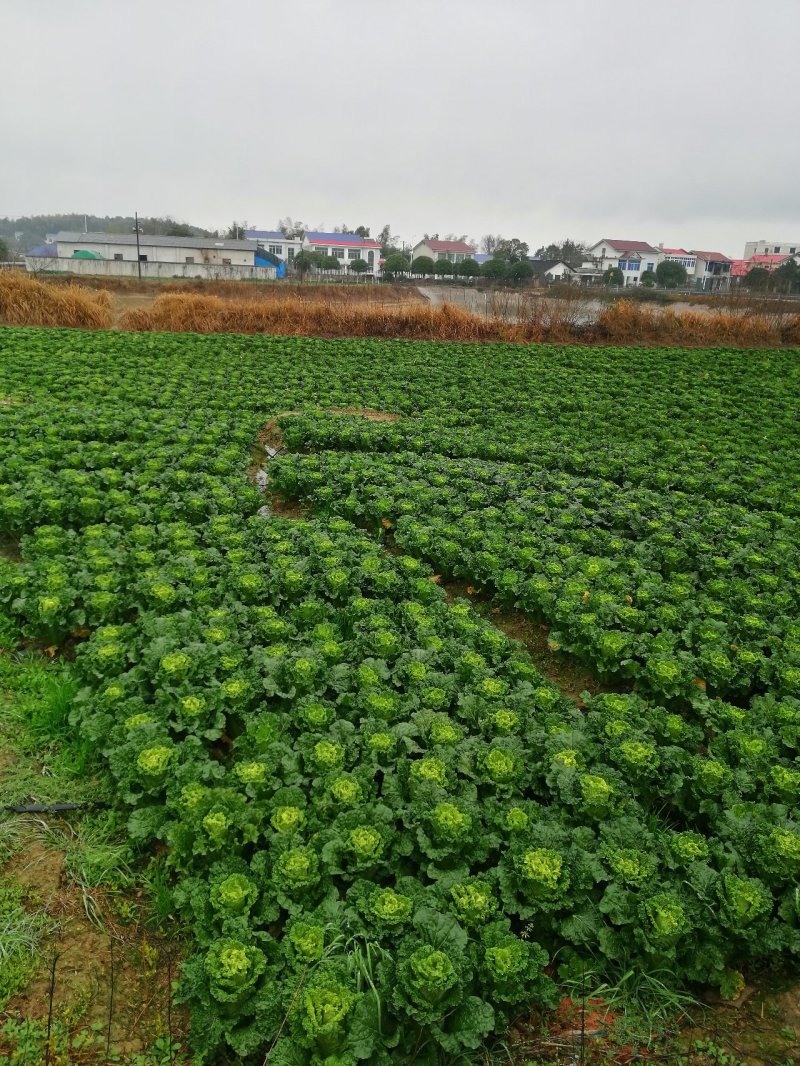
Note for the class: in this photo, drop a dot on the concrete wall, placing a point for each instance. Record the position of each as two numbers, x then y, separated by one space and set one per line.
159 254
116 268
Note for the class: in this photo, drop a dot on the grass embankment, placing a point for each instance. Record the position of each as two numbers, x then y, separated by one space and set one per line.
383 311
546 321
85 964
335 291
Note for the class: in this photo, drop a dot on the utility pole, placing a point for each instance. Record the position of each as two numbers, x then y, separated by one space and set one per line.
138 255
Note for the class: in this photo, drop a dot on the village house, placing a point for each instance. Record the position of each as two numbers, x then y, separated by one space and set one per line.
454 251
632 258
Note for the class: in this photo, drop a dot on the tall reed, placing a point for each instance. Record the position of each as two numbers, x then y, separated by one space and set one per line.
26 301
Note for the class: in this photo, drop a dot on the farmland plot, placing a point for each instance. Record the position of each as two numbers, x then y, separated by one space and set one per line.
387 830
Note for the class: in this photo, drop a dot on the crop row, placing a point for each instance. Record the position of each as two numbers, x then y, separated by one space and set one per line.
387 832
662 587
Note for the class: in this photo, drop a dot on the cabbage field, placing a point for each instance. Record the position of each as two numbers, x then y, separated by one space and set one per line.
389 833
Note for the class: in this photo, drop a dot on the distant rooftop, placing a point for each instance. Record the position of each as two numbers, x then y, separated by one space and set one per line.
68 237
769 260
267 235
447 246
675 251
542 266
712 257
628 246
317 237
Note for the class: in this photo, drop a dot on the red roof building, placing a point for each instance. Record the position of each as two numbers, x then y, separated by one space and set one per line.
629 246
712 257
450 246
767 262
454 251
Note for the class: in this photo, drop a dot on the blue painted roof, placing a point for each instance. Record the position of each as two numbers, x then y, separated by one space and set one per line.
339 238
264 235
481 257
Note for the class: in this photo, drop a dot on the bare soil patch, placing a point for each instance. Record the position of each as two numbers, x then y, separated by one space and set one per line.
101 968
571 676
122 302
369 413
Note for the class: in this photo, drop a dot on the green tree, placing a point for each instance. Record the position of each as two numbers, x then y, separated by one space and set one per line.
614 276
495 269
567 251
359 266
787 277
468 268
304 261
292 229
757 279
178 229
5 252
444 266
671 275
648 279
236 230
520 270
423 264
395 264
512 250
388 243
362 231
329 262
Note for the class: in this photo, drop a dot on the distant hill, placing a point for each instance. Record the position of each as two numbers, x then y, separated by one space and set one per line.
33 229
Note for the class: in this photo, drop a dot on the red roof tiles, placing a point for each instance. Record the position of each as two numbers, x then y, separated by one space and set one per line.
448 246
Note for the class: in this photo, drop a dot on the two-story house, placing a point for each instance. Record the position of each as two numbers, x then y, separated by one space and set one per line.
712 271
454 251
633 258
346 247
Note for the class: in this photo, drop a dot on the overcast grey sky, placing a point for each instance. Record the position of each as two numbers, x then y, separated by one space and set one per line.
661 120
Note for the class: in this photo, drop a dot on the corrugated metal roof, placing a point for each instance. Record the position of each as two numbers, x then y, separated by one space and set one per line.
67 237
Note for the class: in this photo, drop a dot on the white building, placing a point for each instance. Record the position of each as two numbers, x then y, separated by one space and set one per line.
547 270
454 251
712 272
274 242
771 248
633 258
346 247
117 254
688 260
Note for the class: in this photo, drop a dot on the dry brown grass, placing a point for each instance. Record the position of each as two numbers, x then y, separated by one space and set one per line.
26 301
336 311
335 292
627 323
328 318
552 321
